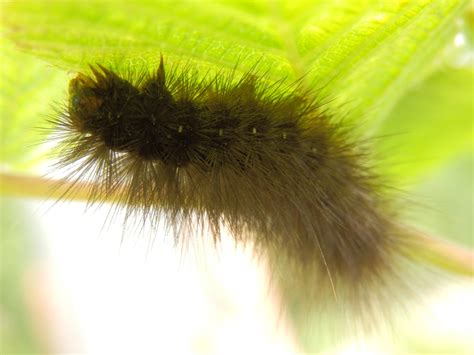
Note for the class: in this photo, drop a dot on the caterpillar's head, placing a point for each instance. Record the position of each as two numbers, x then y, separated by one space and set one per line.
124 116
103 99
98 105
84 103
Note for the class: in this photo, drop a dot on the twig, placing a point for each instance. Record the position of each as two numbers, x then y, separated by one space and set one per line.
423 247
439 252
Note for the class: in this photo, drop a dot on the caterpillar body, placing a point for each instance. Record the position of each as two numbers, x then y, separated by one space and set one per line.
276 169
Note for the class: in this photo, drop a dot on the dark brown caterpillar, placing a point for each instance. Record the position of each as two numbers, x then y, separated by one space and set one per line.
276 169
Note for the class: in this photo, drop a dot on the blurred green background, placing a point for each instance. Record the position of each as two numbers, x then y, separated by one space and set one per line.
403 71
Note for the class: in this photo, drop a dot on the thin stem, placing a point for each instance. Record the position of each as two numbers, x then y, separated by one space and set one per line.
39 187
439 252
423 247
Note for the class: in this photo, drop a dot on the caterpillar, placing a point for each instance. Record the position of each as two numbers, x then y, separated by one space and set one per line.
268 162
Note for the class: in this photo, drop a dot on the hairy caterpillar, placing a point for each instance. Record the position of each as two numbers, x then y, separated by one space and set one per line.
276 169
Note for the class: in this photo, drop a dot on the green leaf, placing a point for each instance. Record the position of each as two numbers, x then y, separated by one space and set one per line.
363 53
430 125
449 194
29 91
